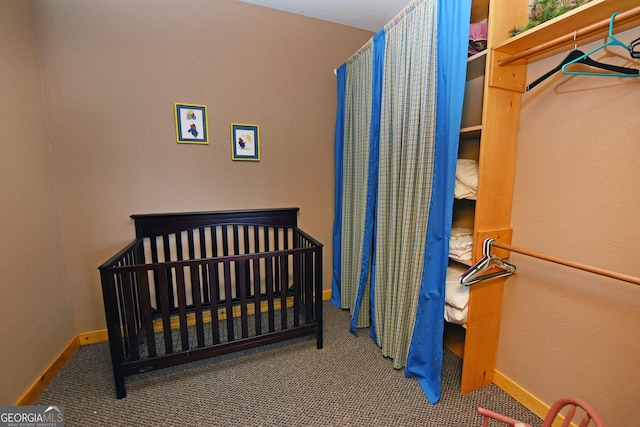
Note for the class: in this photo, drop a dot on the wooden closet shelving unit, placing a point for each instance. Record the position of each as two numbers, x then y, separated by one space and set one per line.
503 82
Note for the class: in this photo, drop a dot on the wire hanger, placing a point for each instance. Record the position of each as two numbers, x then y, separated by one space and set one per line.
487 262
577 55
622 72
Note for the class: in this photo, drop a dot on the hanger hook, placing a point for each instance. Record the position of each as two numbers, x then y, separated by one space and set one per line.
486 248
611 23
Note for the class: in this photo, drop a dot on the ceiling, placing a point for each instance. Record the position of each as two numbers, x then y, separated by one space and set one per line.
369 15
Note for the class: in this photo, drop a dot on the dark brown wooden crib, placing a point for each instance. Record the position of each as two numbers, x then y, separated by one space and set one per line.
202 284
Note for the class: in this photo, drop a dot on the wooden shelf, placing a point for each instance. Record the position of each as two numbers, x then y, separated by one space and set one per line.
466 262
476 65
471 132
454 338
496 130
530 45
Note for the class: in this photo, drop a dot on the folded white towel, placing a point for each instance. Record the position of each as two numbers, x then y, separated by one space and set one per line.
466 186
455 315
460 243
456 295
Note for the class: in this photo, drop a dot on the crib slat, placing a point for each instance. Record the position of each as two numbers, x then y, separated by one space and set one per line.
214 241
216 268
135 292
197 302
246 283
154 250
167 248
256 280
276 244
195 286
182 308
236 242
190 244
164 309
178 237
154 259
196 297
317 315
206 298
283 291
285 234
308 284
213 306
270 284
129 317
167 257
267 246
228 299
146 309
276 238
224 231
245 230
296 289
236 251
256 295
256 239
242 280
120 315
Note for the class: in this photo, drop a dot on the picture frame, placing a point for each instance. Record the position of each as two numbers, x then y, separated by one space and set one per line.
245 142
191 123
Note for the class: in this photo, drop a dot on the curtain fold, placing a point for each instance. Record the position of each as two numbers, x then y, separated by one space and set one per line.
364 290
397 129
339 161
424 360
355 181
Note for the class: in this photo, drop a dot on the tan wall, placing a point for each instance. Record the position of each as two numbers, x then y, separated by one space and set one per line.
566 332
36 320
113 71
103 147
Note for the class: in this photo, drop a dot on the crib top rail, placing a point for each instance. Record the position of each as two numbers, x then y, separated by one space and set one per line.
138 265
126 256
148 225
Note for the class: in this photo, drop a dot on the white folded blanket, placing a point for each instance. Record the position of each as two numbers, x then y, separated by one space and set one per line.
456 296
455 315
466 179
461 243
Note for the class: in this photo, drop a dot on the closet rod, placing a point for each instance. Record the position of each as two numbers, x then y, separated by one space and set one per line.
621 17
580 266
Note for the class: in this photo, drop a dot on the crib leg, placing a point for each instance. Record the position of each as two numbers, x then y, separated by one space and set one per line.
118 376
121 388
118 379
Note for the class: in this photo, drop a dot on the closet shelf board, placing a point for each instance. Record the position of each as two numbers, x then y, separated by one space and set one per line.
572 23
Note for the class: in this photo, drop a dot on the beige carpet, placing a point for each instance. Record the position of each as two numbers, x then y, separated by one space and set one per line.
347 383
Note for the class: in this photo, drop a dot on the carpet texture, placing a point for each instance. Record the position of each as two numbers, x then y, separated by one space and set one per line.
347 383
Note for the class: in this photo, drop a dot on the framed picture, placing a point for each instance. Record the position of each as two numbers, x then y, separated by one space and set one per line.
245 142
191 124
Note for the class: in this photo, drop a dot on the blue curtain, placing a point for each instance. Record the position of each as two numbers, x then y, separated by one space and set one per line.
424 356
424 360
341 73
